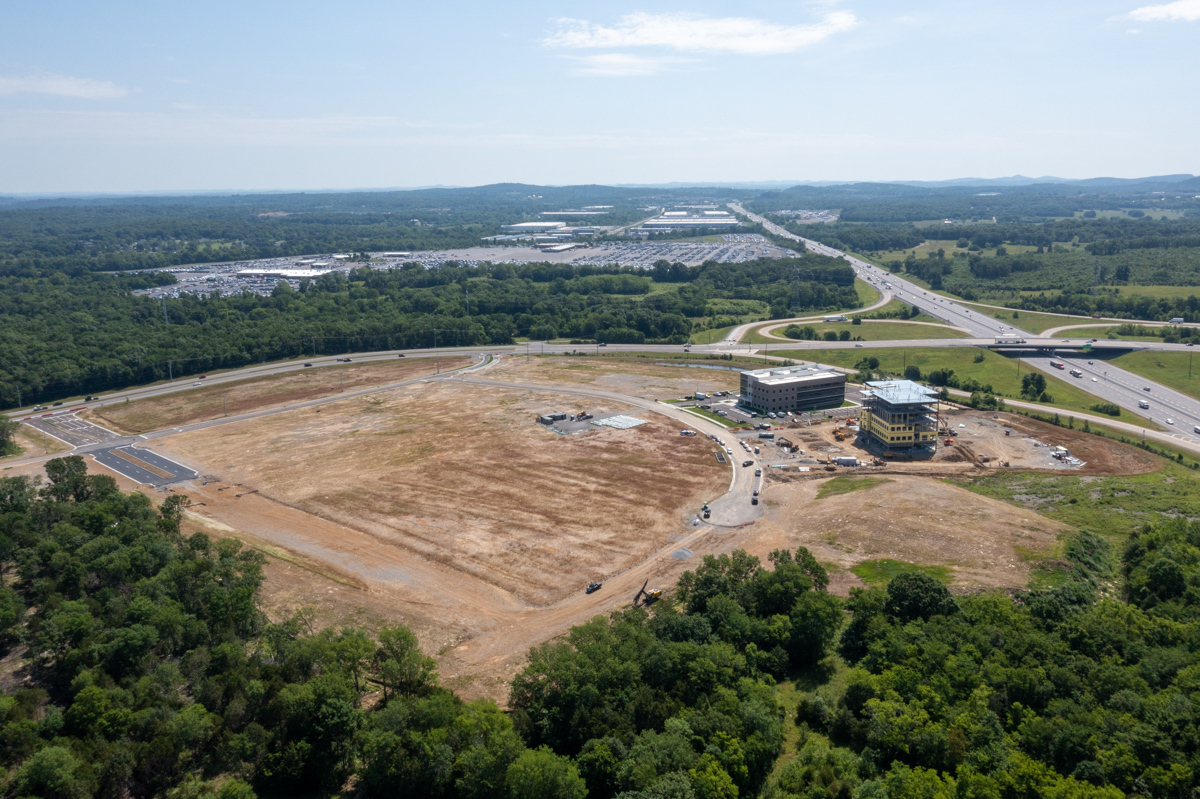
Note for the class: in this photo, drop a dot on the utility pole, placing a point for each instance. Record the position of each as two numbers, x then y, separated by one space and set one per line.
341 384
314 343
170 373
1189 366
1018 367
225 402
45 444
18 396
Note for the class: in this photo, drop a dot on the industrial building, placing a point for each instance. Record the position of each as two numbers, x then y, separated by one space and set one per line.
899 414
533 227
804 387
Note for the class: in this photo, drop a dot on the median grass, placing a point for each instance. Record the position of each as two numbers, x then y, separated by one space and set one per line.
882 571
994 369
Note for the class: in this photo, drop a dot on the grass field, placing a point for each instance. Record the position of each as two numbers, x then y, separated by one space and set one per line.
1110 506
1172 369
885 330
999 371
711 336
1102 331
844 485
881 572
1026 320
1158 291
216 400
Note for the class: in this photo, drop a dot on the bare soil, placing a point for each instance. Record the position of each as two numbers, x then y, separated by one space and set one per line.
635 377
985 542
220 399
465 476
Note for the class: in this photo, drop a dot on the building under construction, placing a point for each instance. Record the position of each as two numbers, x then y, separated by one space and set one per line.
899 414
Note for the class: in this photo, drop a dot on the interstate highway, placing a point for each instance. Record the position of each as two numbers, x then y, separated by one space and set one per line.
1112 383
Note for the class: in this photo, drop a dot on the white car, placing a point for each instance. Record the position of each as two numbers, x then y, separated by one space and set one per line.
196 383
1094 380
1170 421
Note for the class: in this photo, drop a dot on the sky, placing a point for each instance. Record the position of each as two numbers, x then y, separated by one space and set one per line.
127 97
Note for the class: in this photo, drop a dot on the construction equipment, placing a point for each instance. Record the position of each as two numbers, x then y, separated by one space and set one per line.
647 597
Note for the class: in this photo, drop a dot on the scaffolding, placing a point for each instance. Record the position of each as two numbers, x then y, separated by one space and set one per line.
900 414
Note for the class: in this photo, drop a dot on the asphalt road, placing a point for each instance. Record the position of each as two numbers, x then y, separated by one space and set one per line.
1112 384
129 468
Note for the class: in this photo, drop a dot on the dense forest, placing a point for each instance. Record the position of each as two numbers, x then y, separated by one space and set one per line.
892 202
62 336
145 667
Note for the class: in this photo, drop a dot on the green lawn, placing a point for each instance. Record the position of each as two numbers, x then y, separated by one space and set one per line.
711 336
1158 291
867 294
996 369
721 420
1026 320
883 331
1172 369
1110 506
880 572
844 485
1101 332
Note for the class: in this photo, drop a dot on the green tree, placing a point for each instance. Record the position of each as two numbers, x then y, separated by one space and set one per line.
541 774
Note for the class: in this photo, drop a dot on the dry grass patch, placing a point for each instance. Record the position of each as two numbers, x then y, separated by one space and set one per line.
464 476
213 401
636 377
915 520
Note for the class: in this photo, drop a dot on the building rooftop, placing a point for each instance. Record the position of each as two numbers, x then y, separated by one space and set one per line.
899 392
788 374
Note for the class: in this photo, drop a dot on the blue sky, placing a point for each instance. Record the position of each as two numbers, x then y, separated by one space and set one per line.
126 97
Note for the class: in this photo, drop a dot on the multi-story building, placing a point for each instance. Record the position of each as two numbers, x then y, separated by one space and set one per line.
804 387
899 414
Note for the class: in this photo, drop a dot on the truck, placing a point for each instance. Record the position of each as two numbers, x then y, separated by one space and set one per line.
766 435
845 460
1076 373
1009 340
1175 320
837 318
1058 364
700 395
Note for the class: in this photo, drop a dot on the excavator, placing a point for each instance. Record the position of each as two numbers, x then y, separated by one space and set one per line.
647 597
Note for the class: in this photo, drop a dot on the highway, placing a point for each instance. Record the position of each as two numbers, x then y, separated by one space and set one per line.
1107 382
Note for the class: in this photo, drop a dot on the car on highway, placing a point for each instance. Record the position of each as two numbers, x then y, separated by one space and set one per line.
401 355
758 472
203 376
1094 380
1170 421
747 464
197 383
307 365
57 404
858 345
1145 388
39 407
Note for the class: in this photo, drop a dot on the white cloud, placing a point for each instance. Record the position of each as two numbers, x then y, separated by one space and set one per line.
1186 10
625 64
63 86
694 33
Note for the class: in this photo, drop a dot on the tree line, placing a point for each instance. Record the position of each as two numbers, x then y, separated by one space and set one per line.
62 336
152 671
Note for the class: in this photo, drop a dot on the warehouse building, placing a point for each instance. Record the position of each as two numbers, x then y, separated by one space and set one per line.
898 414
804 387
532 227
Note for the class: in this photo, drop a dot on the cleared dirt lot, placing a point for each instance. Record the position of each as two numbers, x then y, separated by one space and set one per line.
212 401
909 518
635 377
465 477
